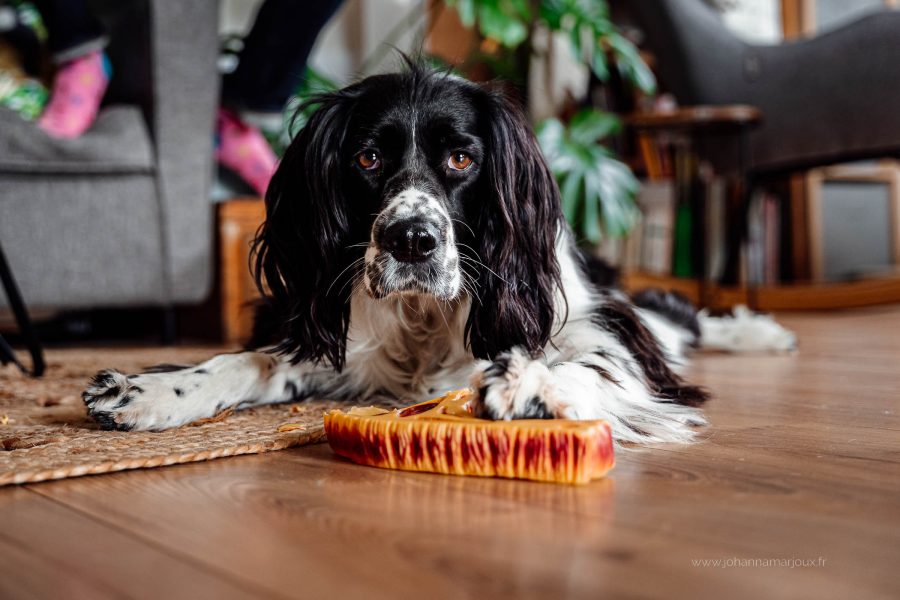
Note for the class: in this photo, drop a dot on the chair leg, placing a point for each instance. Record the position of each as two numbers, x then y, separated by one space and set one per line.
736 231
22 319
170 326
7 355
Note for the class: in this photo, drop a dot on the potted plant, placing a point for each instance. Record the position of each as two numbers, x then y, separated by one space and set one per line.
597 189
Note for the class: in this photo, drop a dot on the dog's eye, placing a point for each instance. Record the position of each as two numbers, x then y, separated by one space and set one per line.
368 160
460 161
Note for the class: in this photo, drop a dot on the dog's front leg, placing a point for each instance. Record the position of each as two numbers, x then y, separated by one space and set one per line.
587 385
169 396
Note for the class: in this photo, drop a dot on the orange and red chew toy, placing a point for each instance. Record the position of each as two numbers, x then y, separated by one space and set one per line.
441 436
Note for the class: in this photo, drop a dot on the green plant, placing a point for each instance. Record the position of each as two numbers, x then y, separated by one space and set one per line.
506 21
597 190
312 84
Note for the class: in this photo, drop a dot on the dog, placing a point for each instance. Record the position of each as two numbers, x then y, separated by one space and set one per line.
414 244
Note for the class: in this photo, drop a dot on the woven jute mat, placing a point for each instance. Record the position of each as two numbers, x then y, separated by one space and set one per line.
45 432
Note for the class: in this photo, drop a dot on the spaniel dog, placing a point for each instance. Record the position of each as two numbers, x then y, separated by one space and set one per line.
414 244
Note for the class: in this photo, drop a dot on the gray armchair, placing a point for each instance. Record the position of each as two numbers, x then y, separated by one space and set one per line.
121 216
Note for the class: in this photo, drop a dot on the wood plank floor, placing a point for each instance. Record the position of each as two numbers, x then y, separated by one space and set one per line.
801 463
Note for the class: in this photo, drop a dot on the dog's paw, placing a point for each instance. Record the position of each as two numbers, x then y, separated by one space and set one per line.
132 402
515 386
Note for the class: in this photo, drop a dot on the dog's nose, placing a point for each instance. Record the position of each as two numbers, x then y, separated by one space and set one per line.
411 241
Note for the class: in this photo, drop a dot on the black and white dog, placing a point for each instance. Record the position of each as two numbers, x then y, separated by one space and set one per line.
414 244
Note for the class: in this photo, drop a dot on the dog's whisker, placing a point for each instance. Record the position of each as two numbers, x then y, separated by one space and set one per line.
467 276
350 266
356 279
464 224
487 268
474 251
444 317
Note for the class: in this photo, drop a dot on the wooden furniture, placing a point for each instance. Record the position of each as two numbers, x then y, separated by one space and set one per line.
800 461
700 61
238 220
698 118
798 20
809 296
885 172
798 17
815 294
694 127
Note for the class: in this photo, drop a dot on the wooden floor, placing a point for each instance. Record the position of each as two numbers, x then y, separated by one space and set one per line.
800 464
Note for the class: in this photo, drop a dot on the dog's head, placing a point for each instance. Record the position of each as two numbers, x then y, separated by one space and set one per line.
412 183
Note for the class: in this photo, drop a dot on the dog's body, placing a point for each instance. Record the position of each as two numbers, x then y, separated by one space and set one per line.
413 245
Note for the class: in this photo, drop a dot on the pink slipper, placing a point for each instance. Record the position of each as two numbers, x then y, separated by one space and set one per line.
243 149
75 100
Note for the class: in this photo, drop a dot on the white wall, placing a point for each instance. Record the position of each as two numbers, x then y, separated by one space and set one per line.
755 21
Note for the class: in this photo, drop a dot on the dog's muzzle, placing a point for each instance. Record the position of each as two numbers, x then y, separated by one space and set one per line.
412 249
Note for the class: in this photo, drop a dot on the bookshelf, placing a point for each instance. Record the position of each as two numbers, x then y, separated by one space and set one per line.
797 296
676 159
803 214
799 283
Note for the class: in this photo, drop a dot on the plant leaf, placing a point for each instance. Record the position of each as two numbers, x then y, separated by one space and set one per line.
571 187
590 125
494 23
465 9
311 84
550 134
552 12
630 64
599 64
597 191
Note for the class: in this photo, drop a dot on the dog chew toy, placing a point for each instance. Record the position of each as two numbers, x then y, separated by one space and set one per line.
442 436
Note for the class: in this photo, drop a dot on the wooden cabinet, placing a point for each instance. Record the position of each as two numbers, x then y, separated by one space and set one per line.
238 221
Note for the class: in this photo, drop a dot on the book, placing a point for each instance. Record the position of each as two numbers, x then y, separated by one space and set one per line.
715 228
771 239
688 222
656 199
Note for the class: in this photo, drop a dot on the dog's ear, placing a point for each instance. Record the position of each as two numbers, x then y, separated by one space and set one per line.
517 219
300 250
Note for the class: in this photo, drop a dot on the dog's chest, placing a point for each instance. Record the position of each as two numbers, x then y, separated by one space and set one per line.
413 348
418 349
424 343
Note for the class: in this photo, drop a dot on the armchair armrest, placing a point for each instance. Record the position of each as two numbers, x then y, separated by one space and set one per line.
184 40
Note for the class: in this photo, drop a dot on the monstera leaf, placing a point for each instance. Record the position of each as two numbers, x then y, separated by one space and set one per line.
504 21
593 36
597 190
630 64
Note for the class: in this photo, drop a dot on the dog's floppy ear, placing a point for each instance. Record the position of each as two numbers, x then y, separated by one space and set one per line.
300 249
517 219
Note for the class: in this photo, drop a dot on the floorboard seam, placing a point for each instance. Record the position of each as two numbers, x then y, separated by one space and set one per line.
228 576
